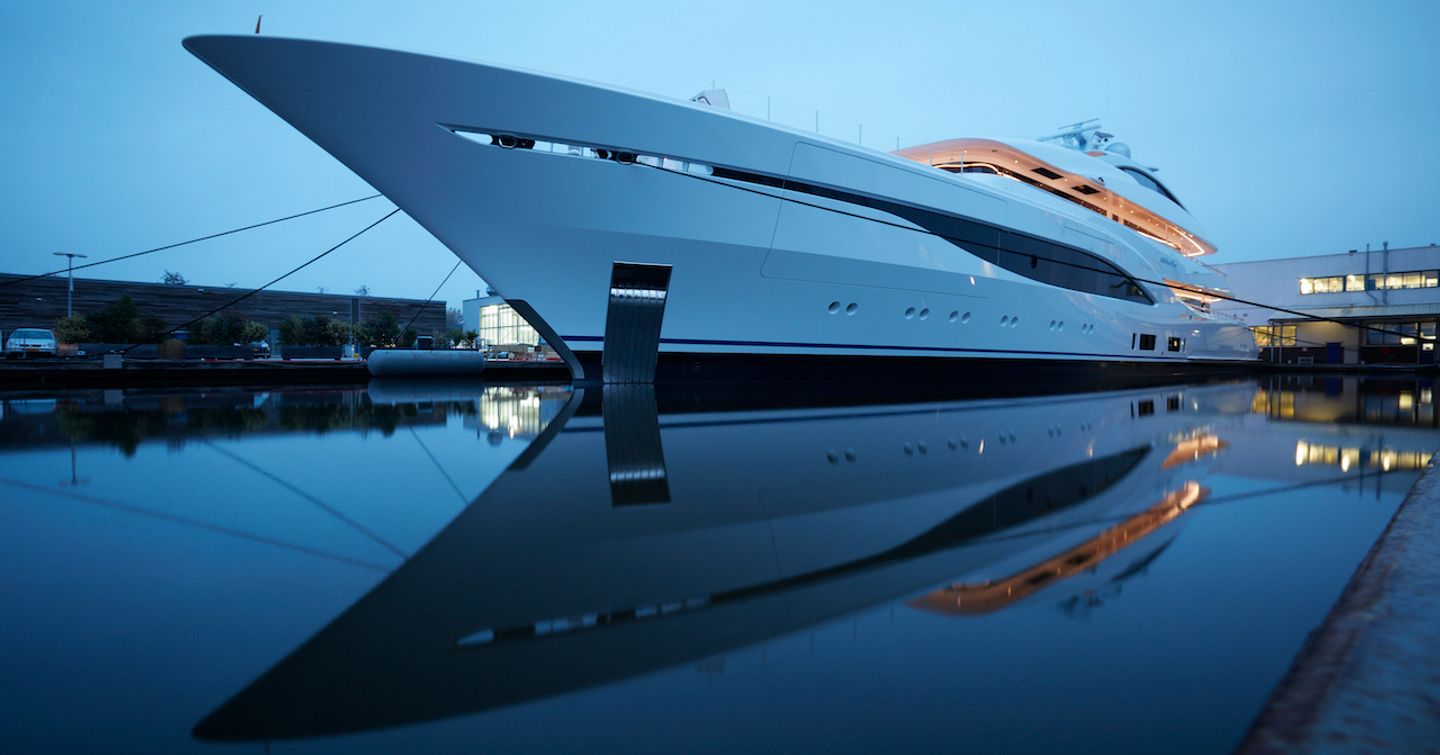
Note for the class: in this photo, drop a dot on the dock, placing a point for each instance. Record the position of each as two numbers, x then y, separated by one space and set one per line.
90 373
1368 680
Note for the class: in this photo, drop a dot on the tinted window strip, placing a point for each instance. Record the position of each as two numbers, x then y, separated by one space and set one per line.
1064 266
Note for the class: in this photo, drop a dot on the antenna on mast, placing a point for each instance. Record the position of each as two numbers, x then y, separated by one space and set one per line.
257 22
1081 136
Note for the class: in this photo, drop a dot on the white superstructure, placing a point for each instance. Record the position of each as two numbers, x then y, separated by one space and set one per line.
742 241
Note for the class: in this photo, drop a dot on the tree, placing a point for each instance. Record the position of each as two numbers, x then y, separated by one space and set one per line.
313 331
292 330
123 322
453 317
173 279
73 329
337 333
379 331
363 290
226 329
254 331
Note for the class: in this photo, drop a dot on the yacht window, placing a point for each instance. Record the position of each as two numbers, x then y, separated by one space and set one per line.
1150 183
1147 342
1175 344
1061 266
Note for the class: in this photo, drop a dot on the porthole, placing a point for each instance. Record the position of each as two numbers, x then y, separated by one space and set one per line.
833 308
925 313
1060 326
909 312
954 315
965 318
851 308
1004 320
1014 321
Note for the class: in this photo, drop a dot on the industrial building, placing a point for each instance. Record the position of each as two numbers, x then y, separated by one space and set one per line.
39 302
499 326
1393 295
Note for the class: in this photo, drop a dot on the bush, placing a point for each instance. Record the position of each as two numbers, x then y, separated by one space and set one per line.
254 331
226 329
338 332
123 322
384 330
313 331
74 329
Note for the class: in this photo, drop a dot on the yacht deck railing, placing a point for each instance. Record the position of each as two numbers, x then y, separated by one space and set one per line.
782 112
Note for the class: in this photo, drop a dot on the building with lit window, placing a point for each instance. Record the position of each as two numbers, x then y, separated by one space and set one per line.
1358 307
501 328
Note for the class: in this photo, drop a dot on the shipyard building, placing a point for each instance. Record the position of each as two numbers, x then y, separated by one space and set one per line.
1394 291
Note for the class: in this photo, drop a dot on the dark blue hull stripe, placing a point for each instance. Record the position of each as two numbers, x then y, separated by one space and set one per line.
947 349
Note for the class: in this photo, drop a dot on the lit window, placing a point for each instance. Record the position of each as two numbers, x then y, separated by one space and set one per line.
1330 285
1274 335
1354 283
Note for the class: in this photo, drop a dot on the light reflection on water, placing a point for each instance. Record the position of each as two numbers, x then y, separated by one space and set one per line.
514 568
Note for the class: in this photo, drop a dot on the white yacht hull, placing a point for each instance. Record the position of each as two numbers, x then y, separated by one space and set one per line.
758 268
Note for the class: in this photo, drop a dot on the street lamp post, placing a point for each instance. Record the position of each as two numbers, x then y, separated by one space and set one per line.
70 283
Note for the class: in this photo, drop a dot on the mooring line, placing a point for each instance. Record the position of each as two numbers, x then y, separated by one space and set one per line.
184 243
323 506
431 298
291 272
1115 273
195 523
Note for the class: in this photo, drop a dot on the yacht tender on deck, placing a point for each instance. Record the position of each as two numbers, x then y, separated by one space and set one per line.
628 224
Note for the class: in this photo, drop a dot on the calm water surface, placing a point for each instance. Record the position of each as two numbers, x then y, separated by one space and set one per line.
431 567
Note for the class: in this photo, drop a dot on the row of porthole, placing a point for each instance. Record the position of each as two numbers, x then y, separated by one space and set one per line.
1006 321
1058 325
919 446
910 449
924 314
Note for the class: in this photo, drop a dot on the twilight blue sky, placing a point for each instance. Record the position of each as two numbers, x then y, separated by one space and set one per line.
1288 128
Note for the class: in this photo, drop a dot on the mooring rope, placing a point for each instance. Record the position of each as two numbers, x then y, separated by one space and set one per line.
431 297
1116 273
291 272
186 242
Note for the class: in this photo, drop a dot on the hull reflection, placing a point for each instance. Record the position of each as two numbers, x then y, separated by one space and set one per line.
564 575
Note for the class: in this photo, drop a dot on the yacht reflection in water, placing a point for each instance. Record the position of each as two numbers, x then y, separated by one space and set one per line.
624 541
